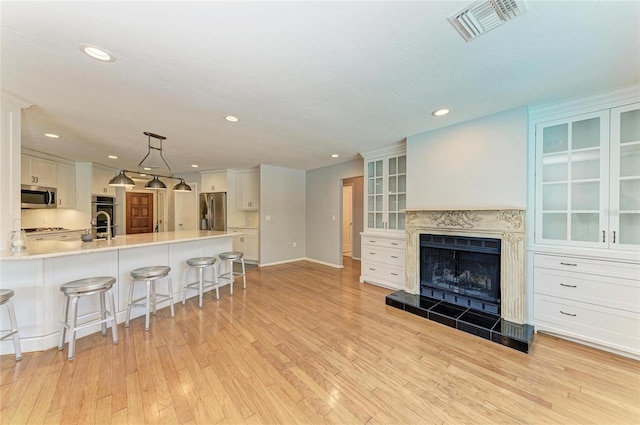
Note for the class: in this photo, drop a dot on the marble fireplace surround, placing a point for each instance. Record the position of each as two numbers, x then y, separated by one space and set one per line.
508 225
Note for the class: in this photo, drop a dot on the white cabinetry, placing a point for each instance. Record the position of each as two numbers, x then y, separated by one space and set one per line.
100 182
588 179
247 242
38 172
383 260
66 186
383 246
586 238
386 185
215 181
247 190
594 301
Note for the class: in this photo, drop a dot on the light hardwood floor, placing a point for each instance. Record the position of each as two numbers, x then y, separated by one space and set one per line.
307 343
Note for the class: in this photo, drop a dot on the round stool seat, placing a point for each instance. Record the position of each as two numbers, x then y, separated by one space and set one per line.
201 261
87 285
150 272
5 295
233 255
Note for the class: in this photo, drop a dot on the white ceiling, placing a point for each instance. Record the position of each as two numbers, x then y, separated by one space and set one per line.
306 79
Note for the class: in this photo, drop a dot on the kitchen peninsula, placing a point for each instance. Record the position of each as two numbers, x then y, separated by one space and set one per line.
36 275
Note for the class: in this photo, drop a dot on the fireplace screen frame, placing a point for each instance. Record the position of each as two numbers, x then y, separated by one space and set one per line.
463 270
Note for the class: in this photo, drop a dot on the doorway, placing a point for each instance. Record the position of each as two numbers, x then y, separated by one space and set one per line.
347 220
352 216
139 213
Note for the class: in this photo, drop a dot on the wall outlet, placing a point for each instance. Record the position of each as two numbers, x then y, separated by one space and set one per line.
333 217
294 244
267 218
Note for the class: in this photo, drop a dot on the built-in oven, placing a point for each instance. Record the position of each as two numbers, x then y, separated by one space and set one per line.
99 223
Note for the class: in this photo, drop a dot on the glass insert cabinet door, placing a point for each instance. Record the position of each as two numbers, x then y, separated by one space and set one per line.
572 169
625 177
375 196
386 180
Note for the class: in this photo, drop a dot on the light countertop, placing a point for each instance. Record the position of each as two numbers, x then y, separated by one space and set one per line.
56 248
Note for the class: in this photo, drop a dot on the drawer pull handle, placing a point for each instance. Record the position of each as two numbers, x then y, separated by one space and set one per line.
568 314
603 236
614 236
568 286
372 269
394 256
568 264
394 243
372 253
370 241
394 274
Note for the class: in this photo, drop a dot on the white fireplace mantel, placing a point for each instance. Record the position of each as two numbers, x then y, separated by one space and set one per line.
508 225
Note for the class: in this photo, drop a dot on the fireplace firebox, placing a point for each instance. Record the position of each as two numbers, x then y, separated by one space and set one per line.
461 270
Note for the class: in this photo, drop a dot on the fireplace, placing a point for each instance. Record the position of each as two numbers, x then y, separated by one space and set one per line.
461 270
466 269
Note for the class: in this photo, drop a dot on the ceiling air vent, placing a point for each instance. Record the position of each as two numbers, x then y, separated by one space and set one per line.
484 15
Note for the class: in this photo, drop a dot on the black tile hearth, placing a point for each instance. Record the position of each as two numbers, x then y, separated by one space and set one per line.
485 325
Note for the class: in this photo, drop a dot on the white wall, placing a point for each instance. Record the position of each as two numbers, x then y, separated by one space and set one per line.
282 198
324 201
477 164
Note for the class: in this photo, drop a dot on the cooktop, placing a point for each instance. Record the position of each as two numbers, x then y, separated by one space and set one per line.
43 229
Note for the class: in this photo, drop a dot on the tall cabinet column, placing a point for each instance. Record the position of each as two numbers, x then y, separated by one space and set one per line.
10 141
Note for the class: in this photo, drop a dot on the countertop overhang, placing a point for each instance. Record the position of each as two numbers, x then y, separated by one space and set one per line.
56 248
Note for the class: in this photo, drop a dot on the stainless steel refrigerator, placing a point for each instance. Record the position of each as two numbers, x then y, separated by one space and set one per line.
213 211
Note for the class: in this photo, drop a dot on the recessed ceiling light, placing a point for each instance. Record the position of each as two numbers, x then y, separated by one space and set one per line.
334 155
53 136
146 168
440 112
97 53
194 165
112 157
231 118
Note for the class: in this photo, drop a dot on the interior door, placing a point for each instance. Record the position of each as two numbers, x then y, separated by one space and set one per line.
139 213
347 219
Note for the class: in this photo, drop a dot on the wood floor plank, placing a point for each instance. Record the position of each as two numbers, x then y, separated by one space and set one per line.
309 344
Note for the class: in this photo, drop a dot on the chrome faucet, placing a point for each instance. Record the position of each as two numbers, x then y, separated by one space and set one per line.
108 222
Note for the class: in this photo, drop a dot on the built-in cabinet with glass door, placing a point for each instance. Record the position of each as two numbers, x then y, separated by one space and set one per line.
386 193
586 245
588 180
385 202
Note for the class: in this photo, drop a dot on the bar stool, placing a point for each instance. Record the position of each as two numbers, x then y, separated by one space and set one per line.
149 275
5 299
230 276
80 288
200 264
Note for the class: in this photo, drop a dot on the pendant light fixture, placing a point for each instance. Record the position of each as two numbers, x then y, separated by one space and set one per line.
122 180
155 184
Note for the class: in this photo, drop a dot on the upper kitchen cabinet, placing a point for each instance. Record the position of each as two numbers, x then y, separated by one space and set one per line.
588 179
386 188
247 190
66 185
38 172
100 182
214 181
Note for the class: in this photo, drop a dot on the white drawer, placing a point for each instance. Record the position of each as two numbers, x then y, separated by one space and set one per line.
377 272
596 267
606 326
393 257
383 242
599 290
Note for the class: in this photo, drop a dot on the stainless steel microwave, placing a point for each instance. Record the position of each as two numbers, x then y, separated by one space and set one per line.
38 197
